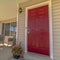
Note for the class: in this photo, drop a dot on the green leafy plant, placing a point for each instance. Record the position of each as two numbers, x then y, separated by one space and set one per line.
17 50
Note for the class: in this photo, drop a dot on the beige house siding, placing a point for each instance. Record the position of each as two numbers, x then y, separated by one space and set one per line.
56 28
55 20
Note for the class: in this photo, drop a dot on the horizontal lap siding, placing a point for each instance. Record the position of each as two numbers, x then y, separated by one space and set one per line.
56 28
21 28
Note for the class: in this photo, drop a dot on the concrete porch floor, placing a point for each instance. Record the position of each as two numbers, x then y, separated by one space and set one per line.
34 56
5 54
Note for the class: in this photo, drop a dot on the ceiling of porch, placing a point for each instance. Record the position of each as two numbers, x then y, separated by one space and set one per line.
8 8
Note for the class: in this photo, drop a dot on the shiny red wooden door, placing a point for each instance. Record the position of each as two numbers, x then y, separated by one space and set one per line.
38 30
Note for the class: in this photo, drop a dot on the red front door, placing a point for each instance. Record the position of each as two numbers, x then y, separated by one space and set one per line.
38 30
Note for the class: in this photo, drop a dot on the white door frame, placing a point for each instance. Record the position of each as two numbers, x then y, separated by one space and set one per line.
50 25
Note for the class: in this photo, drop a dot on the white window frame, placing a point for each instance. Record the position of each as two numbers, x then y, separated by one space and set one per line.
50 25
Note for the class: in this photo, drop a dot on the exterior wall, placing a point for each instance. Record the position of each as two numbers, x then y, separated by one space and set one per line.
55 20
56 28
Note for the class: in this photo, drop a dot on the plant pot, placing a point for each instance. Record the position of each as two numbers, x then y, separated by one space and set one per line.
16 56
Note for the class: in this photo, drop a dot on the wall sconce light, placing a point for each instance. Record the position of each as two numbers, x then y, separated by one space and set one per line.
20 10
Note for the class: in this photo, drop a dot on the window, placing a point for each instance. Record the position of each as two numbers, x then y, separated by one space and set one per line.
13 28
9 29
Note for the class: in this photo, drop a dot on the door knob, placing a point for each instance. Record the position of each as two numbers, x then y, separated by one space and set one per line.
28 30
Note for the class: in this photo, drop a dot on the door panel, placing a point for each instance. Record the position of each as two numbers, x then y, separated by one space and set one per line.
38 30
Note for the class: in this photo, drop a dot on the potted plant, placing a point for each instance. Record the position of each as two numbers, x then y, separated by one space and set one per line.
17 51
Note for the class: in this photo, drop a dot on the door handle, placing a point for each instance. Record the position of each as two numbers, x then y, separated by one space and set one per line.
28 30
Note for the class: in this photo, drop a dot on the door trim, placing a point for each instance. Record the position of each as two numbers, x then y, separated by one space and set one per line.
50 25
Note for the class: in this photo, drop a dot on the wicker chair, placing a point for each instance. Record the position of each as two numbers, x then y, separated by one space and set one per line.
11 41
1 40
